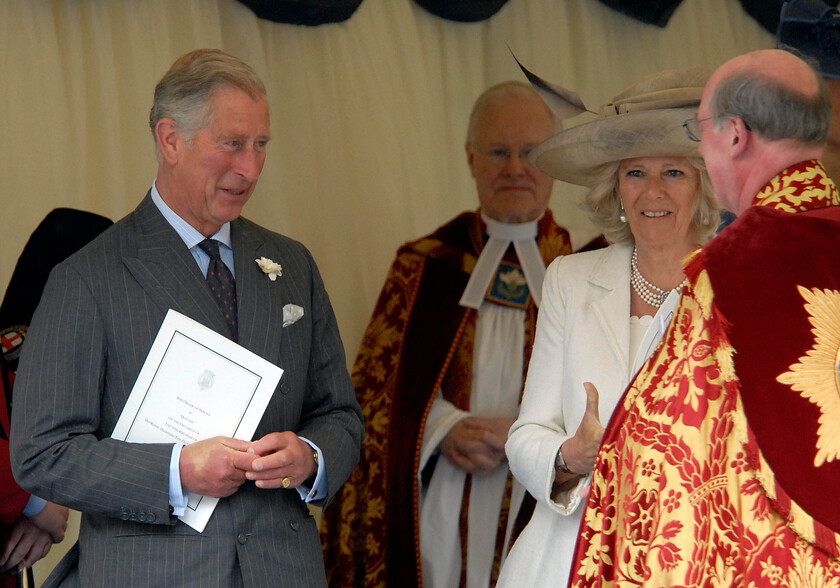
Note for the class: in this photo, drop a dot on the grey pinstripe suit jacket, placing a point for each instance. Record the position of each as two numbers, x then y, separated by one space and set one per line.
96 321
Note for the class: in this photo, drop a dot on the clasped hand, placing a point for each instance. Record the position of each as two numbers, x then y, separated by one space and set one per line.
31 538
477 445
219 466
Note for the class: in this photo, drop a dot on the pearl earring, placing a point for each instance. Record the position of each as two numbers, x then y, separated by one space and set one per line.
622 217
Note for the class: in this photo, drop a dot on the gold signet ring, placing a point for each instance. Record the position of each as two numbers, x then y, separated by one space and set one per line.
286 482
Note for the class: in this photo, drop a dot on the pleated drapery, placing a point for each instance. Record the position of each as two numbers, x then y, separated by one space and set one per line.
369 116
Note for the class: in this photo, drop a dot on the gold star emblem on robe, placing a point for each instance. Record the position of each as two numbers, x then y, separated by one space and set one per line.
815 375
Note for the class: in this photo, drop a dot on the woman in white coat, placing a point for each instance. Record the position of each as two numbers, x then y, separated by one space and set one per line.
604 311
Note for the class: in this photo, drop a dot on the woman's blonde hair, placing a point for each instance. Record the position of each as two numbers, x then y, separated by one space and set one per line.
603 205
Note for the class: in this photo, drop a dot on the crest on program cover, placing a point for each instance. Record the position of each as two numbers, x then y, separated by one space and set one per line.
816 376
206 380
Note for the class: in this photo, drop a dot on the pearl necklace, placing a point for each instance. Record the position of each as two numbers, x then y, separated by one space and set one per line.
651 294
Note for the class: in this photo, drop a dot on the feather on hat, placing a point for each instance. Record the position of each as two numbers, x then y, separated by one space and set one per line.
645 120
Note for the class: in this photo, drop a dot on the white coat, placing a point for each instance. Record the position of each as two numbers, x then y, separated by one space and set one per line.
583 335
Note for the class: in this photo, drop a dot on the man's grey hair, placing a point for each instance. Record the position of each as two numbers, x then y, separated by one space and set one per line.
772 109
501 91
184 92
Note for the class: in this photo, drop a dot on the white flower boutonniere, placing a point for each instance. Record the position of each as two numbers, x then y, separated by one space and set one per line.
271 269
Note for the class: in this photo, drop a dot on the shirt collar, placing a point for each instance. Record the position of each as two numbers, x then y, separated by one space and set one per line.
188 233
511 231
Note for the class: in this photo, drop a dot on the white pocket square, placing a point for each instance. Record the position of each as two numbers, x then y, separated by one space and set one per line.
291 314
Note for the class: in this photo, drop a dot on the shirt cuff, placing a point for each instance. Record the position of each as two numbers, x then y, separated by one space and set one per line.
319 487
34 506
177 498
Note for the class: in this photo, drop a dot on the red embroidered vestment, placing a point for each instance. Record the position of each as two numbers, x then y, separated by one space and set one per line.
720 466
418 339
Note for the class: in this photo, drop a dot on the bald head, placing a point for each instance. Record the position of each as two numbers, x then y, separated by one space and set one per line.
777 94
766 111
505 91
773 64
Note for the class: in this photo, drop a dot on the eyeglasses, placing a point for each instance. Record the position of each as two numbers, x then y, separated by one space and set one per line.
692 126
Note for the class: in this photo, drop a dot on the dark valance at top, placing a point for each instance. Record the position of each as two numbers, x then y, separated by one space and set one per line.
318 12
655 12
658 12
463 10
303 12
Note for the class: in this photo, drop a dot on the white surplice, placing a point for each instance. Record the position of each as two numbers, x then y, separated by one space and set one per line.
496 387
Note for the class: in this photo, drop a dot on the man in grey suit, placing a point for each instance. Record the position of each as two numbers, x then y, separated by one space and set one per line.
96 322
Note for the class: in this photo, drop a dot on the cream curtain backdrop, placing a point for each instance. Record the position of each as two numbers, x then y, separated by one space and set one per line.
369 116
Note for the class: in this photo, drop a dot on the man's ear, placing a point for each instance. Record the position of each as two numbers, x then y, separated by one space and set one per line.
168 138
470 156
740 137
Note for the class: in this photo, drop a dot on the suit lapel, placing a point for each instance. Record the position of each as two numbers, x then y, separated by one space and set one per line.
260 299
612 277
166 270
163 266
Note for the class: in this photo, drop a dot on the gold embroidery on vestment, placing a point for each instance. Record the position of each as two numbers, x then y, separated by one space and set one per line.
815 375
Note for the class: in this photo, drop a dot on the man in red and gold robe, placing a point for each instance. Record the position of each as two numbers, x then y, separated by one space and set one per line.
13 498
440 371
28 525
720 466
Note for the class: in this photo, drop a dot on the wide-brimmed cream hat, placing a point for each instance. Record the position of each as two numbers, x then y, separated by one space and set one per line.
645 120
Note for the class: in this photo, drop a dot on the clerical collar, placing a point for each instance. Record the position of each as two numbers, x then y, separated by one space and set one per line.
523 236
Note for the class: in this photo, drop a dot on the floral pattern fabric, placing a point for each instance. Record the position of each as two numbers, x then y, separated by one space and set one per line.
417 339
682 494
